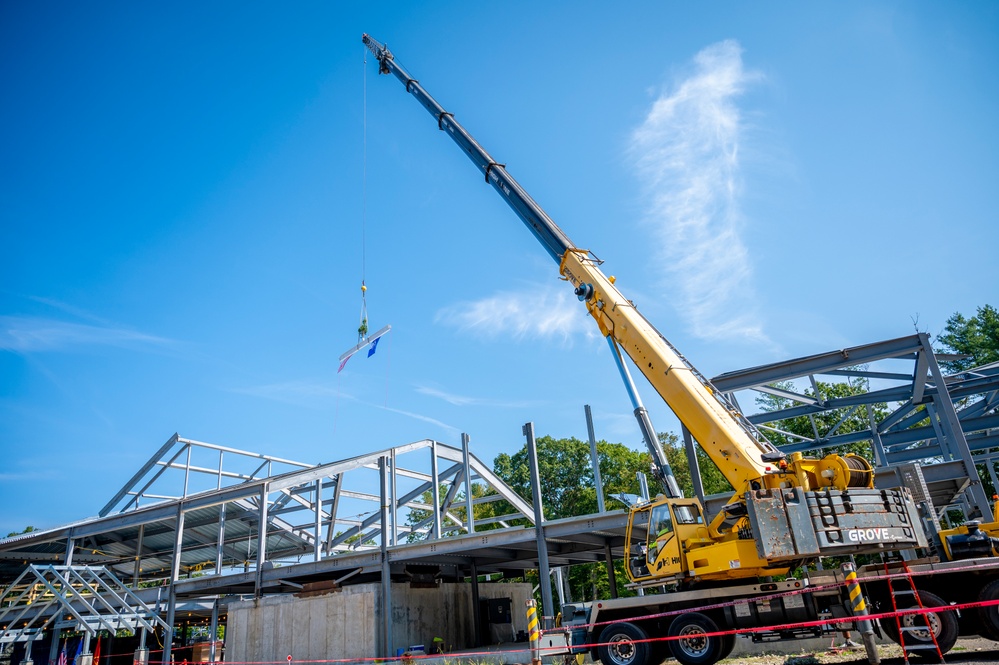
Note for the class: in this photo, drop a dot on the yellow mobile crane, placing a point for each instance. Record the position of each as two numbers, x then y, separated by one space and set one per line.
785 509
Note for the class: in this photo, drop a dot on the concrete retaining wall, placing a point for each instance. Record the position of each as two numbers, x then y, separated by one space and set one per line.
345 624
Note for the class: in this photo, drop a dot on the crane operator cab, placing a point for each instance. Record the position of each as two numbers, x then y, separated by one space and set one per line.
657 535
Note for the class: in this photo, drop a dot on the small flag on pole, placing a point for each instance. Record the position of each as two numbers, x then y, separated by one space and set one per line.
97 651
374 347
62 654
342 363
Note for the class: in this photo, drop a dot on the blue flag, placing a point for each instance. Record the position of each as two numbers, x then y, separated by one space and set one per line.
374 346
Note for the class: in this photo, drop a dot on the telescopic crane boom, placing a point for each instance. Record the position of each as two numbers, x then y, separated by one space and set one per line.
756 469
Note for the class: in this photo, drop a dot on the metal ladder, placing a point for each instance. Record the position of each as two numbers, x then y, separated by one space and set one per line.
911 591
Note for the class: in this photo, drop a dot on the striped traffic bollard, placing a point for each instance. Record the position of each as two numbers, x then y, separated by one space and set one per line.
858 607
534 632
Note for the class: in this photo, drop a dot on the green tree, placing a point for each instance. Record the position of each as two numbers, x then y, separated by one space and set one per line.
711 476
568 489
567 485
826 424
27 529
482 513
977 337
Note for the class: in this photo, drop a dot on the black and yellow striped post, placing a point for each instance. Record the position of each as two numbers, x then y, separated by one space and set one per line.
858 607
534 632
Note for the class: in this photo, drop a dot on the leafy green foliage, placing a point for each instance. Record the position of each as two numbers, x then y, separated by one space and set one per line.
567 489
27 529
567 485
711 476
977 337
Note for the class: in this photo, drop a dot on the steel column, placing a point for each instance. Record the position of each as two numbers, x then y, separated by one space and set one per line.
317 545
435 490
386 605
595 459
476 614
544 572
692 464
214 632
261 543
138 556
880 456
468 482
178 548
394 514
954 432
611 572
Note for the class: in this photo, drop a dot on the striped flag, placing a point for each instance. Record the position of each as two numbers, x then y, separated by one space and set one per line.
62 654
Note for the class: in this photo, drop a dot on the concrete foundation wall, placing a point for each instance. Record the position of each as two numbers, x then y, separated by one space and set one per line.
346 624
337 625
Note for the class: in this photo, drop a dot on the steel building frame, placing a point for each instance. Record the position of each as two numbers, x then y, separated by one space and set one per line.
951 422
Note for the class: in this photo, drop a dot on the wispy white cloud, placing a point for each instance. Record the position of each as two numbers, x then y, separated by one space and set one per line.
534 312
319 395
687 156
311 394
463 400
409 414
27 334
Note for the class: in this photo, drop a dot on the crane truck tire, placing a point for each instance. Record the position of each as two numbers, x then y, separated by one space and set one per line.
622 644
696 645
658 652
918 641
728 644
989 616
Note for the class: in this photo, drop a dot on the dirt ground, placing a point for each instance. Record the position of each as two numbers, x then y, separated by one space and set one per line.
968 651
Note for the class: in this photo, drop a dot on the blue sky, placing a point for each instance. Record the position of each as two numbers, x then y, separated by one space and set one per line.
183 195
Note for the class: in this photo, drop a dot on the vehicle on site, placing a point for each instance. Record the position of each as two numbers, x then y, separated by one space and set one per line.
972 539
786 509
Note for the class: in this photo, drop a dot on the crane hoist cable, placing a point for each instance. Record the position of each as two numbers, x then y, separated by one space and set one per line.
364 338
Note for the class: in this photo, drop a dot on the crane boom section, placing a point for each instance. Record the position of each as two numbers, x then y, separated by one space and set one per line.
551 237
710 422
717 429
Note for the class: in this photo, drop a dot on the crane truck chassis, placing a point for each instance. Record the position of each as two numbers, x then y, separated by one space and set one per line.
786 510
699 625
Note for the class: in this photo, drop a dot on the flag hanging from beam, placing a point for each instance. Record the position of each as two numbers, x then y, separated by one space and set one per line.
369 341
374 346
62 654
